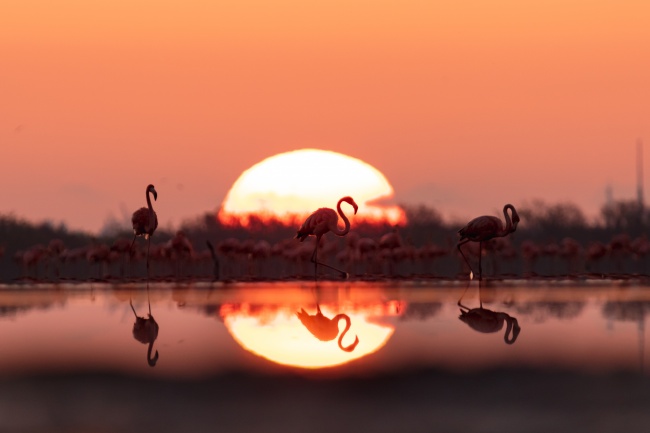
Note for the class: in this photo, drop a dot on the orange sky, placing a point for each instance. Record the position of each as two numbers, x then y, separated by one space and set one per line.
464 105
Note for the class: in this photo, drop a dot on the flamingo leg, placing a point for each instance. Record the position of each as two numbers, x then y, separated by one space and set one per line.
465 258
131 247
314 258
148 245
480 254
343 273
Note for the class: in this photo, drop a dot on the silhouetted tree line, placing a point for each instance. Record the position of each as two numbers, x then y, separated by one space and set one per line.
541 223
16 234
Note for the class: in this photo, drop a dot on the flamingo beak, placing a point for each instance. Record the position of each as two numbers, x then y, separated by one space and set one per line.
155 194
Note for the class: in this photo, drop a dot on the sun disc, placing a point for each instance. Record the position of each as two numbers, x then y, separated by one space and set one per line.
279 336
297 183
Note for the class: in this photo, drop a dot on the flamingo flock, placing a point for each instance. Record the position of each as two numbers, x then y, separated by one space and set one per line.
483 248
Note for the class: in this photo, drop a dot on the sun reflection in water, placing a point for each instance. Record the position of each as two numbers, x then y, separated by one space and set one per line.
276 333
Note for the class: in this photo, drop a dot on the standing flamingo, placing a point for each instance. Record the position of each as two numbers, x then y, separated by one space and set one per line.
326 329
484 228
215 261
145 221
325 220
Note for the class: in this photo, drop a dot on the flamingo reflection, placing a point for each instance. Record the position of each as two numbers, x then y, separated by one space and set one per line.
488 321
326 329
146 332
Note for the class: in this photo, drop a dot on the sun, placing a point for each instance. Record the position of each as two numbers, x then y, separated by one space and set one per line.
293 184
277 335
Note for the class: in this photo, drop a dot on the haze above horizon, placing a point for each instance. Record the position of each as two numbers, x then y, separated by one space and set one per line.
462 106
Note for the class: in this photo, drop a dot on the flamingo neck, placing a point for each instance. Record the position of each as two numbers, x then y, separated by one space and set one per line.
345 219
509 226
149 201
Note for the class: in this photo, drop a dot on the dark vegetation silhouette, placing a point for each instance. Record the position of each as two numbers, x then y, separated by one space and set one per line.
551 241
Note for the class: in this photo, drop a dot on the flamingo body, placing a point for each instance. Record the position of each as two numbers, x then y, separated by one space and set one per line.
487 227
318 223
145 220
325 220
481 229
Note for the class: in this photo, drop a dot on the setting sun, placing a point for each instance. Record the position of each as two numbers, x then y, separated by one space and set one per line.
297 183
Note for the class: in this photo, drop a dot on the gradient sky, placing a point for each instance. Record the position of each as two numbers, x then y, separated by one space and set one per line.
464 105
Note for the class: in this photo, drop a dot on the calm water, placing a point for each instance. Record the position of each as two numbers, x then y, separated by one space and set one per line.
90 349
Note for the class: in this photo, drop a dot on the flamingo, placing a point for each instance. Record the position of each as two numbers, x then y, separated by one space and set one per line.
484 228
326 329
146 332
325 220
215 260
392 247
145 221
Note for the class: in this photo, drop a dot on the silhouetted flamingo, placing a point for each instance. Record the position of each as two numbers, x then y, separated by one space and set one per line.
259 256
325 220
215 260
530 251
180 251
571 252
99 253
121 247
230 248
146 332
483 229
326 329
368 254
31 258
619 250
391 245
145 221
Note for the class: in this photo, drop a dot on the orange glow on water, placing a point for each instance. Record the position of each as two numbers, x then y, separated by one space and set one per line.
278 335
293 184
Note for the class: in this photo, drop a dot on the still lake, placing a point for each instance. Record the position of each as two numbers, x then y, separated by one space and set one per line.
515 355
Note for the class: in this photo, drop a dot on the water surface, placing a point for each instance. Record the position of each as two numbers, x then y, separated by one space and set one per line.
213 343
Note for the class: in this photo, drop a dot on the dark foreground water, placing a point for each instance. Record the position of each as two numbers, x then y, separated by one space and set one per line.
513 356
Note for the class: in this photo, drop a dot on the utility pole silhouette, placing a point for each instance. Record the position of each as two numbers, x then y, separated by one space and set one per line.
639 182
639 172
